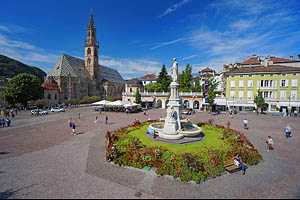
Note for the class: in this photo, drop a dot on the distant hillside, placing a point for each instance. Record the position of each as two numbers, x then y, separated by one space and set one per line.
10 67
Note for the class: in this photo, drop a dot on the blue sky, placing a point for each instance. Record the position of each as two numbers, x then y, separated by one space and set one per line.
138 36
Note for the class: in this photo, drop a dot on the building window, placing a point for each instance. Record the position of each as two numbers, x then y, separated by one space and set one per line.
232 76
283 74
241 83
262 75
284 83
250 83
49 96
241 94
89 51
250 94
262 83
232 94
130 89
294 94
294 82
249 75
295 74
265 95
266 83
282 94
271 83
271 74
55 97
241 76
232 84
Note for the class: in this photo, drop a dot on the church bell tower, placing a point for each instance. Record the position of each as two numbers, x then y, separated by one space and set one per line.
91 48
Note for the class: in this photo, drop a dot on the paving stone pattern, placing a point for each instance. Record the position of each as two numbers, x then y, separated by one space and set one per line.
39 158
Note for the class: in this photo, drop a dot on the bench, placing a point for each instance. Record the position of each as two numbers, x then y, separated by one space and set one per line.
230 166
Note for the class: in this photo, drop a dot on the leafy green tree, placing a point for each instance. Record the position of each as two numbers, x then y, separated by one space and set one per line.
164 79
185 81
22 88
112 97
259 99
197 87
212 86
150 87
138 98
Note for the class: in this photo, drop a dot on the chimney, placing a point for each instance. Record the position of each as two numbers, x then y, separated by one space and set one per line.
298 56
291 57
254 56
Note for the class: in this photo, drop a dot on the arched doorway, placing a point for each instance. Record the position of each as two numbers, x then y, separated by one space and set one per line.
186 104
159 103
196 104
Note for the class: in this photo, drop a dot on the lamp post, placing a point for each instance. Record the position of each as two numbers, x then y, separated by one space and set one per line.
233 106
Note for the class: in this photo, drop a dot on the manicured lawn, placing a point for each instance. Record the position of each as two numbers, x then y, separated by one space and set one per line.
211 139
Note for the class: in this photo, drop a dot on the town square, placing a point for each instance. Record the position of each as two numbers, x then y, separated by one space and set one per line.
175 99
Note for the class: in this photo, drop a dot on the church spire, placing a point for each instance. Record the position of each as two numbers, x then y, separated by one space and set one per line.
91 23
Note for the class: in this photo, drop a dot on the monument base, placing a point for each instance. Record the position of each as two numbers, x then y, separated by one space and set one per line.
170 137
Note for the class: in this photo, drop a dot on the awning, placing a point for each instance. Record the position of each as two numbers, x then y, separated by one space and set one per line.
147 99
291 104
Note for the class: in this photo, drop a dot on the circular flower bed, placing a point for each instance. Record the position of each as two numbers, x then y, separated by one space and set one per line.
124 149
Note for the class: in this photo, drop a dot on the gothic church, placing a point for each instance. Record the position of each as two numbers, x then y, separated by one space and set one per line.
77 78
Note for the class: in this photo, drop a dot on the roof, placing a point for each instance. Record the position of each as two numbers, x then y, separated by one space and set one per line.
134 82
257 60
50 86
251 61
263 69
207 69
149 77
74 67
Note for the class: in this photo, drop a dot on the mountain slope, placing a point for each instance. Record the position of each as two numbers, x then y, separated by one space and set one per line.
10 67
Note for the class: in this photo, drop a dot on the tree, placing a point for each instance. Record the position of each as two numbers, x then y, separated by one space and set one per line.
112 96
212 85
150 87
185 81
197 86
138 97
259 99
164 79
22 88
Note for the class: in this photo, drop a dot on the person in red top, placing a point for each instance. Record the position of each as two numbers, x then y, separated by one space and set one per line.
70 122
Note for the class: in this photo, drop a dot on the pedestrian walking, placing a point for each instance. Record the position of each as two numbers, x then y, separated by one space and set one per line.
96 119
295 113
257 111
288 131
73 129
145 113
13 115
245 121
70 122
8 122
269 143
126 110
100 111
16 111
106 119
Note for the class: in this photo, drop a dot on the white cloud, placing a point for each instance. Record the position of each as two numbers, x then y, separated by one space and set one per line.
130 68
25 52
167 43
3 28
173 8
188 57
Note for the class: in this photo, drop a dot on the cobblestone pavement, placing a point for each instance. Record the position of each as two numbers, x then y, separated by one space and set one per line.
39 158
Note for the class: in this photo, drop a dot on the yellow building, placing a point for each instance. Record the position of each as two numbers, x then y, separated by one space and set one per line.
279 84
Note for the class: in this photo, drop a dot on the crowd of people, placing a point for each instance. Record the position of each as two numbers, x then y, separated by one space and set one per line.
6 114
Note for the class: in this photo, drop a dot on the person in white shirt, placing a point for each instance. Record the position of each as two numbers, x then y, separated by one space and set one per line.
245 123
269 143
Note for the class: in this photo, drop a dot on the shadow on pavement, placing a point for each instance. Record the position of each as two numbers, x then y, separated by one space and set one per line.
10 193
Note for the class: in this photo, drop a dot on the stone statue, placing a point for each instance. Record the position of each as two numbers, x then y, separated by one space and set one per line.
175 70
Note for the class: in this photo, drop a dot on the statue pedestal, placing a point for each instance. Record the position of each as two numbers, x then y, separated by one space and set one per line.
172 121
